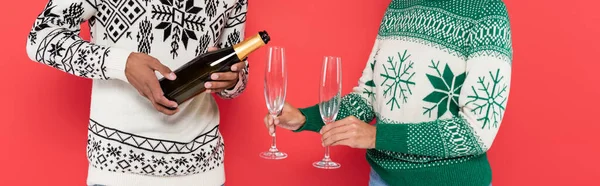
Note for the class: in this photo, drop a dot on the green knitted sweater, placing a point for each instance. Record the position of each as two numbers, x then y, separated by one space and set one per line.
437 83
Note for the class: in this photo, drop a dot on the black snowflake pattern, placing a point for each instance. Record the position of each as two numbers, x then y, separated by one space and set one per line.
71 16
113 151
78 58
89 61
159 161
107 154
179 21
180 161
55 50
136 157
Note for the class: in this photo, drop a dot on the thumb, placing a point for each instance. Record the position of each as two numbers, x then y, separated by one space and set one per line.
285 114
164 70
283 118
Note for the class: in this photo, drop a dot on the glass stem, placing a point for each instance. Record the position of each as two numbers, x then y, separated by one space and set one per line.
326 157
274 138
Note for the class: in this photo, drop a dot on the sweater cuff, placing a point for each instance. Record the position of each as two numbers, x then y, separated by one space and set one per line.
392 137
115 63
313 122
238 88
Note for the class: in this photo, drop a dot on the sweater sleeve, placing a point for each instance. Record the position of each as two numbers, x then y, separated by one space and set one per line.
481 103
232 34
54 41
357 103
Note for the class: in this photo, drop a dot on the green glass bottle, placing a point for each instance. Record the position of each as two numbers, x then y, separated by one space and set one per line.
192 75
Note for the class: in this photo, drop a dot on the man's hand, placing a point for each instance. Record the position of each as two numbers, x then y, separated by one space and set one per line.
290 118
351 132
140 73
224 80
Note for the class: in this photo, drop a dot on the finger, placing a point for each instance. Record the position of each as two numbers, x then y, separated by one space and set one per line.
225 76
337 131
164 110
218 84
335 124
277 120
238 66
157 94
210 49
157 106
271 125
215 90
164 70
267 121
339 139
350 142
150 98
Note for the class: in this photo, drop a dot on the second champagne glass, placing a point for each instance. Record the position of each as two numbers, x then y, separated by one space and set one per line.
275 87
330 90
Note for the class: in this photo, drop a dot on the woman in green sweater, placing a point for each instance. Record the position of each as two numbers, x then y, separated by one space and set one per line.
436 83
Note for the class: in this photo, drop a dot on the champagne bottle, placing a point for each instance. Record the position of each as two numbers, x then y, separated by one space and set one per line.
192 75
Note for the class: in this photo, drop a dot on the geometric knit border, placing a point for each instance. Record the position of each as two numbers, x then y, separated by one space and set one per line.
113 151
492 52
150 144
230 94
460 36
453 137
356 105
401 161
431 24
79 58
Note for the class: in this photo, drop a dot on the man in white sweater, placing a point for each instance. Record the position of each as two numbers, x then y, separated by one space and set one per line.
133 139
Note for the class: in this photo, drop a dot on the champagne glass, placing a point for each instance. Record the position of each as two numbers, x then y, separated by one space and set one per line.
275 86
330 88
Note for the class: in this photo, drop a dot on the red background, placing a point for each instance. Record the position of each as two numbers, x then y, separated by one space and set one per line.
549 136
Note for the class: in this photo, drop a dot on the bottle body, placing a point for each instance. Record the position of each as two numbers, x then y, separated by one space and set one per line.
192 76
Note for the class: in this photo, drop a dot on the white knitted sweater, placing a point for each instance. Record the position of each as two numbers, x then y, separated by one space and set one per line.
129 142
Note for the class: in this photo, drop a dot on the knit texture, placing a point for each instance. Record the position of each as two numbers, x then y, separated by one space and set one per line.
129 142
437 83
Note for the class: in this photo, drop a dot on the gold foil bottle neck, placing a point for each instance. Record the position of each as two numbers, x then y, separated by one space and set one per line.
244 48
